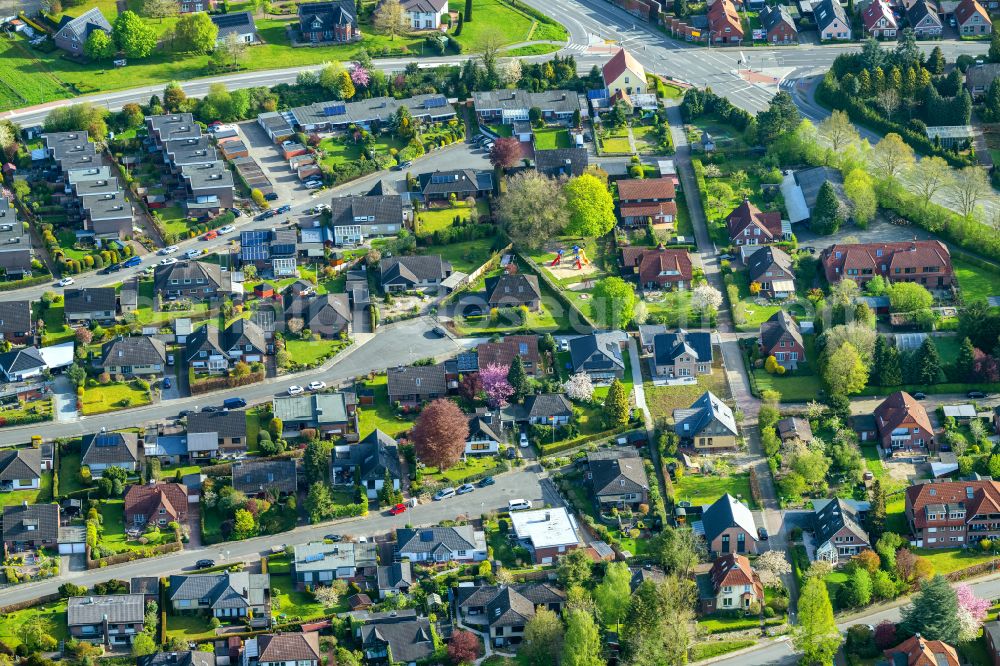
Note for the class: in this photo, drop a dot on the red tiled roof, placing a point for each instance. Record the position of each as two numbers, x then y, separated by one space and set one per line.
875 256
504 351
876 11
655 262
640 189
721 15
967 8
922 652
975 496
146 500
649 209
619 63
899 407
747 215
735 570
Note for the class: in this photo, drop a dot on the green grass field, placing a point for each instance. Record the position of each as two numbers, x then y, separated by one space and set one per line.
99 399
69 472
976 283
113 539
466 256
430 220
309 352
381 415
22 81
43 494
51 616
953 559
700 490
550 138
709 649
462 470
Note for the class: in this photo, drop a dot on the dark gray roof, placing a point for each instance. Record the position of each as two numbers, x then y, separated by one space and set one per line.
430 539
407 636
554 101
396 576
109 448
613 472
689 422
482 425
921 10
31 522
21 360
981 76
15 316
562 161
387 209
648 333
208 175
668 346
174 125
227 424
187 270
84 24
329 14
117 608
364 111
596 352
329 313
461 182
373 456
243 332
834 516
190 150
205 338
113 206
773 16
827 11
417 380
794 426
223 590
518 288
256 476
516 603
185 658
810 180
316 408
412 269
726 512
238 23
20 464
779 323
92 299
643 574
762 259
135 350
548 404
144 585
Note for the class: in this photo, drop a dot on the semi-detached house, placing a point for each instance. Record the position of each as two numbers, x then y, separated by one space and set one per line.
462 543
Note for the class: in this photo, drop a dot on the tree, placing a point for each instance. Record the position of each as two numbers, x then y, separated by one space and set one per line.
506 152
816 635
390 18
490 45
883 587
464 647
230 51
933 613
317 460
838 130
196 32
319 502
781 118
493 379
771 566
616 404
678 550
994 53
659 627
909 297
99 46
591 207
827 215
858 188
345 85
518 378
965 365
877 515
706 298
329 595
244 524
133 36
543 638
929 176
612 303
929 363
868 560
891 156
439 434
159 9
969 188
971 612
579 387
845 372
582 641
857 591
575 568
468 11
533 209
614 593
143 644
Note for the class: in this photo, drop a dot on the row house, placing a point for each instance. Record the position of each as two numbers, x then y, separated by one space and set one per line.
510 106
926 262
953 514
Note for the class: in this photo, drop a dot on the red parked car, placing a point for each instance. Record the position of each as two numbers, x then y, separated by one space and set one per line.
398 509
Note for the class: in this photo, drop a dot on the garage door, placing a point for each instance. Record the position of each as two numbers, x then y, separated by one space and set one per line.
70 548
253 358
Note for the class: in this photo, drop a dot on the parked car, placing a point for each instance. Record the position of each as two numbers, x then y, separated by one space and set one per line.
518 504
228 229
211 235
487 481
166 382
919 395
762 533
234 403
270 196
204 564
444 493
398 509
65 282
132 262
194 254
564 345
333 537
465 488
523 440
209 409
312 184
170 249
975 395
283 209
295 389
236 212
168 261
317 386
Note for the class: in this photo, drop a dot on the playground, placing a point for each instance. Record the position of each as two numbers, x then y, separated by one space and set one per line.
567 262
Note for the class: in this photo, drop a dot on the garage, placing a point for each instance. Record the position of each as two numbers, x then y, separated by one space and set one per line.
72 539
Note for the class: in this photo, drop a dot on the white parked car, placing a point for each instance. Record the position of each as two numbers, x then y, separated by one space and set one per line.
295 389
65 282
317 386
228 229
168 261
518 504
524 440
170 249
194 254
564 345
444 493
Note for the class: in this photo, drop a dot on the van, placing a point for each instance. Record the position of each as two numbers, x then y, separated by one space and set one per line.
234 403
132 261
518 504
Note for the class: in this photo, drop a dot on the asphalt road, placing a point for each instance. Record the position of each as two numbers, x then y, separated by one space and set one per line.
521 483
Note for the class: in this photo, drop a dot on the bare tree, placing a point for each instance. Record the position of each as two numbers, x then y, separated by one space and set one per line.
888 100
969 188
159 9
931 175
390 18
492 43
231 50
838 131
891 156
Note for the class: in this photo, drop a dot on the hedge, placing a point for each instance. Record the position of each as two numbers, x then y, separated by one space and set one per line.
26 282
551 449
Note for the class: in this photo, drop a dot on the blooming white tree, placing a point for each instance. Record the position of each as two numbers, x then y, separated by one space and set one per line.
706 297
579 387
770 566
510 72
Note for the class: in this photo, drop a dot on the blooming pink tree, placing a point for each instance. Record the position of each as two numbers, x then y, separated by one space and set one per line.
971 612
494 381
360 76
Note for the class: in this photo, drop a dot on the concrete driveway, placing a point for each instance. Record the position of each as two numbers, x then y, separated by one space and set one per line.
879 231
261 148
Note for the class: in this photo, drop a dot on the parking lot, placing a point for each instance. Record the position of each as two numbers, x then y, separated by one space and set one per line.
265 152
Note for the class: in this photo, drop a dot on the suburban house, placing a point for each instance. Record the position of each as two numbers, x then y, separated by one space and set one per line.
644 574
180 658
188 6
953 514
682 354
412 385
512 290
644 201
831 21
356 219
203 351
731 584
509 106
15 243
781 338
155 503
335 21
724 24
657 268
878 19
979 77
320 563
624 74
551 409
425 15
225 595
72 33
134 356
395 578
900 425
708 425
729 527
102 450
396 637
505 609
87 305
407 273
331 414
547 533
259 477
270 251
838 532
240 24
794 428
30 526
559 162
456 183
924 19
196 280
771 269
484 435
747 225
972 19
329 315
113 620
778 25
214 434
367 463
171 127
617 479
22 364
209 186
244 340
599 355
20 469
107 215
504 350
462 543
918 651
927 262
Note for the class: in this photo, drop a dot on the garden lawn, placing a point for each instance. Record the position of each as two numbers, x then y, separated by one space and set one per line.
700 490
709 649
113 523
873 461
310 352
948 347
718 623
683 222
466 256
24 409
430 220
287 602
253 429
69 472
52 615
663 400
54 319
108 398
946 561
646 141
189 627
43 494
895 514
462 470
601 392
833 582
381 415
550 138
793 386
976 283
174 220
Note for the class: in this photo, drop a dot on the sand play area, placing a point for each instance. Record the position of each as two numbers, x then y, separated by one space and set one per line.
567 266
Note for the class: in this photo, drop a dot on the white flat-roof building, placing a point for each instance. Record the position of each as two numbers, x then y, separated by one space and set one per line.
549 532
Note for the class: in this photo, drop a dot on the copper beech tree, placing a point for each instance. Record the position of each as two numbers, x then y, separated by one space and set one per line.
439 434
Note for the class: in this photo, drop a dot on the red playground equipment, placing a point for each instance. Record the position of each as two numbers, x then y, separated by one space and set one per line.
555 262
580 260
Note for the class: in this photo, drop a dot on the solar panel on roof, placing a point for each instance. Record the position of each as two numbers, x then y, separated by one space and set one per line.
435 102
335 110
